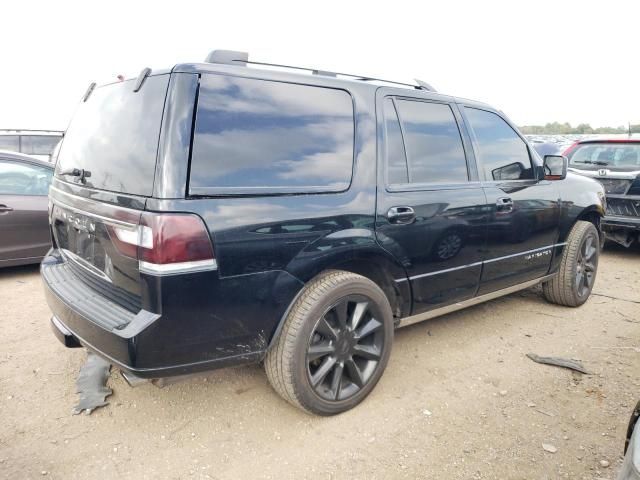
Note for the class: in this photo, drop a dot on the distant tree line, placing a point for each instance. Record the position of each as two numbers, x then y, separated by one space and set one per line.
557 128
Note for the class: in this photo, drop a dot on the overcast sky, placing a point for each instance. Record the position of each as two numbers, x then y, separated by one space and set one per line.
538 61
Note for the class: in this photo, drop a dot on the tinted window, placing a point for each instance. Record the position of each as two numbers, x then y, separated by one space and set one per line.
9 142
114 135
503 154
256 134
433 143
24 179
396 158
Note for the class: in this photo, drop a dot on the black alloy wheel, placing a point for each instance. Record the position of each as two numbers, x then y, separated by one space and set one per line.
344 348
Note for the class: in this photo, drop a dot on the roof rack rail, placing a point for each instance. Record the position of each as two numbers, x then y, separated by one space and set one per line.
231 57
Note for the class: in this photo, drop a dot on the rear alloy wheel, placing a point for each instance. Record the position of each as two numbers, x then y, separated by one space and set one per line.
334 345
345 349
578 267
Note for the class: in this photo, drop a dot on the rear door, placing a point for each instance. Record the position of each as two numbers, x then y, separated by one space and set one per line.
524 211
431 209
23 210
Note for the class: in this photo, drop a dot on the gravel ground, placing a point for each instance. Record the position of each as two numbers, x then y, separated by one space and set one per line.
459 400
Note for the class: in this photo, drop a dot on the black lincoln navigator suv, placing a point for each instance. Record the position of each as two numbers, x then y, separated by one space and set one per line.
218 214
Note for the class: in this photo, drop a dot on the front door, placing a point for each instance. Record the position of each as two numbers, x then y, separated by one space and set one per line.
524 211
431 209
23 210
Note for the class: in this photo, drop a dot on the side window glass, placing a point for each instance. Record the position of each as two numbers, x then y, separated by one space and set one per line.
433 143
396 158
503 154
20 179
259 135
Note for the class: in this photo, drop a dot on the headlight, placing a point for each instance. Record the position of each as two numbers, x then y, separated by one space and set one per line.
603 199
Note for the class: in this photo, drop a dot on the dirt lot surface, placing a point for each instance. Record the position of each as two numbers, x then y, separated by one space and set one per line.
459 399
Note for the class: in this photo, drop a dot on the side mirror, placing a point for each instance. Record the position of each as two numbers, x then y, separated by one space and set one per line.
555 167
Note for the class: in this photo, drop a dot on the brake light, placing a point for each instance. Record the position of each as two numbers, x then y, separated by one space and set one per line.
168 243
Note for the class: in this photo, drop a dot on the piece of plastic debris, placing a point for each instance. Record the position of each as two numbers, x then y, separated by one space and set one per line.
559 362
92 384
549 448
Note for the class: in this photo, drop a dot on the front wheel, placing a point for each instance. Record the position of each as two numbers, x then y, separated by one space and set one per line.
334 345
577 273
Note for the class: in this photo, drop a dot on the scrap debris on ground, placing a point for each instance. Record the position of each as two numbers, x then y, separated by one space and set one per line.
92 384
559 362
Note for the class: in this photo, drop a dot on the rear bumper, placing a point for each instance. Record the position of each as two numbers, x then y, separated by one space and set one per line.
205 323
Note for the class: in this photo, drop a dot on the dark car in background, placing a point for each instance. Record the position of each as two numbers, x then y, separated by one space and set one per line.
215 214
25 236
616 164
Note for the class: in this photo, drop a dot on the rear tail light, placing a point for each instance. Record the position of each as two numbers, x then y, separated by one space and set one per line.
167 243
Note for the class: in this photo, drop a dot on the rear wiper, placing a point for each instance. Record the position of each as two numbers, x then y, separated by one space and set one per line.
592 162
75 172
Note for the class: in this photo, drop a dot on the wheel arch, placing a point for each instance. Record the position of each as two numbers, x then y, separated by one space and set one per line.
370 261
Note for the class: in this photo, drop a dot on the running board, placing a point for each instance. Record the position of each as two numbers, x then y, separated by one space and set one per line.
472 301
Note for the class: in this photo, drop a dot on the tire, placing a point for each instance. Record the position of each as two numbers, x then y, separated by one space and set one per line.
576 276
320 363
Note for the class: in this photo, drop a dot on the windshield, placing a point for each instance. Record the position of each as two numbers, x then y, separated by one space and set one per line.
622 156
114 137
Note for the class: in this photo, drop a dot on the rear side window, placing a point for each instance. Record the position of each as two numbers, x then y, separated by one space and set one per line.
503 154
24 179
433 143
114 135
255 136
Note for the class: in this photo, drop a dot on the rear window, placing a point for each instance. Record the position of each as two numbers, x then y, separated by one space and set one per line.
114 135
618 155
256 136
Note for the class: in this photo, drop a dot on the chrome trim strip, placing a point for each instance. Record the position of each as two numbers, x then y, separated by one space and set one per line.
429 274
110 221
446 270
526 252
118 223
472 301
176 268
616 175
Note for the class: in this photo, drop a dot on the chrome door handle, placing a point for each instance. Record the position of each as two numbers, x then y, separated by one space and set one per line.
401 215
5 209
